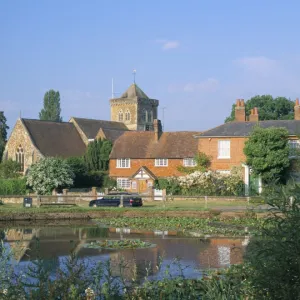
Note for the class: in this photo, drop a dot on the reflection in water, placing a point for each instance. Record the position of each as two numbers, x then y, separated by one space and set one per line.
57 242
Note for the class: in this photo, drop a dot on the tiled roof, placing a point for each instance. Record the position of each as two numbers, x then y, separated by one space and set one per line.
112 134
135 144
134 91
240 129
91 127
55 138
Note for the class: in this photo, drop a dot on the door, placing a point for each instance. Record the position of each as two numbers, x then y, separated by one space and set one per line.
142 186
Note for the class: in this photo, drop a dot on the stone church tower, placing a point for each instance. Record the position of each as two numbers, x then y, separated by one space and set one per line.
135 109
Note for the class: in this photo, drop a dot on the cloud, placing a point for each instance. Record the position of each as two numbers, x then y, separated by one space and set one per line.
258 64
168 44
206 86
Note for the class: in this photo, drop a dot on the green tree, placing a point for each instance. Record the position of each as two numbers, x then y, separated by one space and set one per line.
51 110
3 133
269 108
97 155
267 153
49 173
9 169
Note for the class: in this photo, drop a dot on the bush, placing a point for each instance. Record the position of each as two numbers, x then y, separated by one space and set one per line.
13 186
9 169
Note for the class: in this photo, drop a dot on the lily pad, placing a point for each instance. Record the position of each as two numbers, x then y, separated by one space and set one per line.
119 244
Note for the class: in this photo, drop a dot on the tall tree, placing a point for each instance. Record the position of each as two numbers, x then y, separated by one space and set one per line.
267 153
3 133
51 110
269 108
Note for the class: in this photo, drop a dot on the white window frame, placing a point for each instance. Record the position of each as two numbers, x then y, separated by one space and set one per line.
294 145
123 183
123 163
224 152
161 162
133 185
189 162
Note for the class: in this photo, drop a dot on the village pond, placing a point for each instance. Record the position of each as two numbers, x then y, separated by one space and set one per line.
53 243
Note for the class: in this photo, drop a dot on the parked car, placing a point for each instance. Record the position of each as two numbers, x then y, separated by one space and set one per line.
114 199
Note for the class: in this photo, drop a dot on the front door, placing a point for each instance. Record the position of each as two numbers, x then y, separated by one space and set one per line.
142 186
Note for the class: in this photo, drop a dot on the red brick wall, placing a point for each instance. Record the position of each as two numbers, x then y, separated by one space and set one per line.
210 147
135 164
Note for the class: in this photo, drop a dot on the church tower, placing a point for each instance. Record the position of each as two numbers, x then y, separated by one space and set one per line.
135 109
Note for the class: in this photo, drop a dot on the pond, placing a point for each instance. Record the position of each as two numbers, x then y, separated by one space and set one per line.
56 241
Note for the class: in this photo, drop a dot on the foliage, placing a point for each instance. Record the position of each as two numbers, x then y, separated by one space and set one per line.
16 186
9 169
3 133
119 244
97 155
269 108
48 174
267 153
51 110
203 162
273 257
171 185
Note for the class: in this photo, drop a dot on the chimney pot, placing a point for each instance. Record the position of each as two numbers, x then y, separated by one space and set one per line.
240 113
253 115
297 110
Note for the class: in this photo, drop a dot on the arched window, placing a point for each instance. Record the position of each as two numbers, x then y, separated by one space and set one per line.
121 116
127 115
20 157
150 117
144 115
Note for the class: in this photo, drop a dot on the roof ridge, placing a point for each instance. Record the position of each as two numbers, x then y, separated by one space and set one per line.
50 121
95 120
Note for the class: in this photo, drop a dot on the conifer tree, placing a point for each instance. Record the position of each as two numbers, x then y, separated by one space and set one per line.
3 133
51 110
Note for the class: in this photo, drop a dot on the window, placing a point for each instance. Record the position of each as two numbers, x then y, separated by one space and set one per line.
20 157
150 116
189 162
123 163
123 183
121 116
127 115
223 149
144 116
294 147
133 185
161 162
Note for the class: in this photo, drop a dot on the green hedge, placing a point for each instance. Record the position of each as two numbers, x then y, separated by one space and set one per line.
13 186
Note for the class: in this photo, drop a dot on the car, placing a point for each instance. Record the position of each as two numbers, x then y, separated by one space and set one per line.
114 199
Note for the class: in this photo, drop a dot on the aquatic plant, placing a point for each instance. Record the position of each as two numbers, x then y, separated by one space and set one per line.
119 244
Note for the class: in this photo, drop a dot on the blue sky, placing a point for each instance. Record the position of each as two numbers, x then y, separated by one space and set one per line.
196 57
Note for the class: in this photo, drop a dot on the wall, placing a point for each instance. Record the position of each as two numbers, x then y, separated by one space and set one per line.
210 147
81 133
20 136
135 164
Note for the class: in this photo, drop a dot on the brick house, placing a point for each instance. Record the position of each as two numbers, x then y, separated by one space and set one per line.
225 143
139 158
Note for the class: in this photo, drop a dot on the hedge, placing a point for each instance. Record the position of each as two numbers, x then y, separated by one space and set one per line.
13 186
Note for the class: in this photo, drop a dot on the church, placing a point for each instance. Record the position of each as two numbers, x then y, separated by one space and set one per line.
33 139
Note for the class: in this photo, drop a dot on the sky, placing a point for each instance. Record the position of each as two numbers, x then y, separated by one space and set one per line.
196 57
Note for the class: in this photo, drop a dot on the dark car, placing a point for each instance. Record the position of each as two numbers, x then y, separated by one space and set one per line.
114 199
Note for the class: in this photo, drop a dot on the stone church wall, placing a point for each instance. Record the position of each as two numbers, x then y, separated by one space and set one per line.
20 137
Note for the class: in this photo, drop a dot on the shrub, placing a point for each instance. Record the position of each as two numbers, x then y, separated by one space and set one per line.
13 186
9 169
49 173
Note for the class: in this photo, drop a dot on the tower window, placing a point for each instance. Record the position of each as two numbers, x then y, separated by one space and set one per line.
150 116
144 116
20 157
121 116
127 115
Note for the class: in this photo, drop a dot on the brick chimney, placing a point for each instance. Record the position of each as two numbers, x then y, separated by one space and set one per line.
297 110
157 129
253 115
240 113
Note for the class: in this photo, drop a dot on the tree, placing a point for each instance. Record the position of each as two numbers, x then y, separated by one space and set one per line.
3 133
269 108
49 173
51 110
267 153
97 155
9 169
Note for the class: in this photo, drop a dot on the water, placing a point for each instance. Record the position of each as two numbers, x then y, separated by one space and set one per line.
57 241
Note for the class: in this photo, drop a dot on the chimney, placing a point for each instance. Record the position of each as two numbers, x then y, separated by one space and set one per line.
253 115
157 129
297 110
240 114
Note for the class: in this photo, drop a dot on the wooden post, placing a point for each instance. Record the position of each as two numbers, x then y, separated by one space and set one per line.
121 201
94 192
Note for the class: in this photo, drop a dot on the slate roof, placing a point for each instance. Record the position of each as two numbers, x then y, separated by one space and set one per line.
241 129
112 134
90 127
134 91
55 138
135 144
